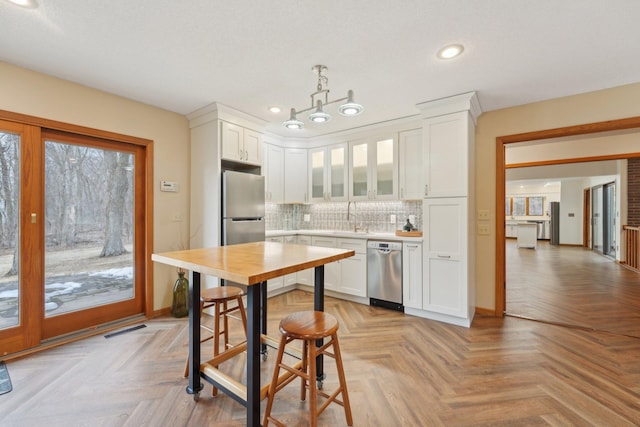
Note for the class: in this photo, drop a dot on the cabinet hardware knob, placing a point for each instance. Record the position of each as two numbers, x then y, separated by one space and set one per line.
444 256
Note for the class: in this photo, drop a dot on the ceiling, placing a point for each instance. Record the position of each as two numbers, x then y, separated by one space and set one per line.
181 55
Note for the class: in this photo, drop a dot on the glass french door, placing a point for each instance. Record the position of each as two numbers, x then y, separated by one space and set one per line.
69 242
596 218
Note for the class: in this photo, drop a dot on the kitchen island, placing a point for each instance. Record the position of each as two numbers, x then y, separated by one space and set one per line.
251 265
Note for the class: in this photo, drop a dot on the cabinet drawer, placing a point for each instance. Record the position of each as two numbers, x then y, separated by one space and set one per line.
357 245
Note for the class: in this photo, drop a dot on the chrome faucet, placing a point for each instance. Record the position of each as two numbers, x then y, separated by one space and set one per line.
355 219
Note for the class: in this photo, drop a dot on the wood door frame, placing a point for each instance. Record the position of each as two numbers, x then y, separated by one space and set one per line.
38 124
501 143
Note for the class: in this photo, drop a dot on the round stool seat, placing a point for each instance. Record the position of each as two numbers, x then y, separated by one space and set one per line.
220 293
308 325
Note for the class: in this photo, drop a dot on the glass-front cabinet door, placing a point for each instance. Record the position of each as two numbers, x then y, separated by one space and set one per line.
328 173
374 169
317 179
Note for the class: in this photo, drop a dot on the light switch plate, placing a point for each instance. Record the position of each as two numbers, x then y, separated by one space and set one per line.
307 217
392 219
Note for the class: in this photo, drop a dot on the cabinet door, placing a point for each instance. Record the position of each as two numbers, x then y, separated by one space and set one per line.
384 172
353 270
252 146
337 172
360 186
373 169
445 256
305 277
295 175
290 279
410 165
232 141
353 275
278 282
412 275
446 156
331 270
274 173
317 178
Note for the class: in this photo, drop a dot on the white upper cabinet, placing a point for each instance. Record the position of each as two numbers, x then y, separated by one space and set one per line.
446 156
410 168
373 169
328 173
273 171
296 189
240 144
448 133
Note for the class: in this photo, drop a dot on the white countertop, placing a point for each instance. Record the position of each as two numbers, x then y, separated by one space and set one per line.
344 233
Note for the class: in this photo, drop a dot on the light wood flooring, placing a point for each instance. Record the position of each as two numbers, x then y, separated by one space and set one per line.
401 371
572 286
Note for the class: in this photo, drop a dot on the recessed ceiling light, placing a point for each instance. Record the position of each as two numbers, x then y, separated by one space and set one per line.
28 4
450 51
274 109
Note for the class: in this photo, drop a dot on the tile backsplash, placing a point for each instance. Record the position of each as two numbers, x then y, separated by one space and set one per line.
369 216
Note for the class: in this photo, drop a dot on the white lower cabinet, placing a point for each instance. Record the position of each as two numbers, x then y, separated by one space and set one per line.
305 277
331 270
446 281
278 282
412 275
353 270
290 279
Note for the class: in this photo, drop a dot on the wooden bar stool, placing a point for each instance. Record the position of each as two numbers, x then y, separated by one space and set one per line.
218 298
309 326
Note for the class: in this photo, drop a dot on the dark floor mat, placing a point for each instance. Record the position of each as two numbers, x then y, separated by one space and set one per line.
5 381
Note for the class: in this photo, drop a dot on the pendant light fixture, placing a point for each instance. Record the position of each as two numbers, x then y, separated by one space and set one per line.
348 108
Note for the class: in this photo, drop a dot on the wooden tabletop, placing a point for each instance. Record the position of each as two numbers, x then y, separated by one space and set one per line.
252 263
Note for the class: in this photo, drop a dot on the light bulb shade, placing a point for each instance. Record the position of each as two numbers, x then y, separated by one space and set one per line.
350 108
319 116
293 122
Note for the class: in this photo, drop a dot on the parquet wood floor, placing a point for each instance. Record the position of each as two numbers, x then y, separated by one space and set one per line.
573 286
401 371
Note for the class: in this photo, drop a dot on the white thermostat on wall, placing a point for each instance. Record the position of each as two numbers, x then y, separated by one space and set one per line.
169 186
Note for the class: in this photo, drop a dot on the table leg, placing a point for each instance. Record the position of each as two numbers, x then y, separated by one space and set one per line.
263 317
194 385
254 298
318 305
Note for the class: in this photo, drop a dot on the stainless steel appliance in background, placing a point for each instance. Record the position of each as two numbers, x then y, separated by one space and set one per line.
384 274
242 208
555 223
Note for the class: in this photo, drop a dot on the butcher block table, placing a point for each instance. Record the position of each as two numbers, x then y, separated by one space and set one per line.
249 264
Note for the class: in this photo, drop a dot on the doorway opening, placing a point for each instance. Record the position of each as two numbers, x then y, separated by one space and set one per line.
503 142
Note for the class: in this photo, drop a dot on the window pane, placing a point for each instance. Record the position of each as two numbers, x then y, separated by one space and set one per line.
519 206
88 228
9 230
535 206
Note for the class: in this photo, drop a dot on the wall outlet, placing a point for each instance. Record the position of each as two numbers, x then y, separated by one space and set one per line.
307 218
177 217
483 214
483 229
392 219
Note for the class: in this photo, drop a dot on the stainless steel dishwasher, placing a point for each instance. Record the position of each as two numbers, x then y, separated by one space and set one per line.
384 274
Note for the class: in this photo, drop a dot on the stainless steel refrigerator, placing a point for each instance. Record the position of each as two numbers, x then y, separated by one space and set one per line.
242 208
555 223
